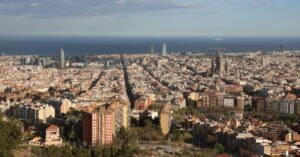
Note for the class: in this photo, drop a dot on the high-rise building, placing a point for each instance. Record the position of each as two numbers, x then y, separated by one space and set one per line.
166 119
287 105
25 60
152 49
101 125
220 64
164 49
42 62
213 67
62 59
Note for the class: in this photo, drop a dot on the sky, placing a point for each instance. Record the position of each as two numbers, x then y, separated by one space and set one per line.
151 18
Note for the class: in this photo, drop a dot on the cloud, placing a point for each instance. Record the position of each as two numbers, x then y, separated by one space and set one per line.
71 8
35 4
92 7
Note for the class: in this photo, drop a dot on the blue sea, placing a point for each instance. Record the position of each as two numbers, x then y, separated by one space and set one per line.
77 46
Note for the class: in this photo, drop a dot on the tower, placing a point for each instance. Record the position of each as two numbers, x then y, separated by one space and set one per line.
62 59
152 49
220 64
263 61
213 67
102 124
164 49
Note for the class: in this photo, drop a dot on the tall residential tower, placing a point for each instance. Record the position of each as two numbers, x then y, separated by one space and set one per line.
220 64
61 59
102 124
164 49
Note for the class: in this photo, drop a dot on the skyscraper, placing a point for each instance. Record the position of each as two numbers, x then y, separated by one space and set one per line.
164 49
213 67
152 49
220 64
61 59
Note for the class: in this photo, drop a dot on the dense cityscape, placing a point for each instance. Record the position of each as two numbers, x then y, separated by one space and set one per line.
154 104
149 78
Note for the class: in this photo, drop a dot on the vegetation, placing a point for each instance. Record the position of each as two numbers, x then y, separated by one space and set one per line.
10 136
210 140
146 134
73 114
181 136
206 152
126 145
66 151
189 110
219 148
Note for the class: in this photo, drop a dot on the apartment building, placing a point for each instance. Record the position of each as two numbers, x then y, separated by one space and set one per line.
165 119
32 112
53 136
101 125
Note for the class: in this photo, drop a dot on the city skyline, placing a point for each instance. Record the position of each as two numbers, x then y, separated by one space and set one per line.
157 18
141 78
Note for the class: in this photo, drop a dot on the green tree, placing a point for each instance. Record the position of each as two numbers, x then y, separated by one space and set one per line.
10 136
181 136
1 115
219 148
148 123
72 134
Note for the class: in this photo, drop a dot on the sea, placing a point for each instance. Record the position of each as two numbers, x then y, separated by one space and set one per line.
81 46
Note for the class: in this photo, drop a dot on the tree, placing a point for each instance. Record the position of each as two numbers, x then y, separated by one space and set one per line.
65 151
1 115
181 136
210 140
148 123
10 137
219 148
187 136
71 134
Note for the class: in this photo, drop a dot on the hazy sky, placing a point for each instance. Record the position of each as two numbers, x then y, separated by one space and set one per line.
151 17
